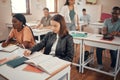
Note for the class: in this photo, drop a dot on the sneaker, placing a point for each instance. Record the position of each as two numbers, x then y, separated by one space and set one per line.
100 67
112 71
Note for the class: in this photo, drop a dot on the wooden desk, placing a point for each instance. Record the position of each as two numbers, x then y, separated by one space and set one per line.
19 74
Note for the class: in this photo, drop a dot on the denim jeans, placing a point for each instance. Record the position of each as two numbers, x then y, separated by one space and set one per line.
113 55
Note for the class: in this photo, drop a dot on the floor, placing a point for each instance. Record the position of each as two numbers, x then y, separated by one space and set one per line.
88 74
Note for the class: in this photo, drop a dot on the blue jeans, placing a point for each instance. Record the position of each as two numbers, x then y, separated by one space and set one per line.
113 55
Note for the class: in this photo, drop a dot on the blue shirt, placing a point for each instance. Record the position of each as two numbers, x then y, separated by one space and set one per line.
112 26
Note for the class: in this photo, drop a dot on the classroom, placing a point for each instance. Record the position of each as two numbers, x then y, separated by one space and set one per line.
59 39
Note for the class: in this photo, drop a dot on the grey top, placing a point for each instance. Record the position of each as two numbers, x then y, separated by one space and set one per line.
46 21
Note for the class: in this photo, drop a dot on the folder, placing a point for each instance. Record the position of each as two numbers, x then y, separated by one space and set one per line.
16 62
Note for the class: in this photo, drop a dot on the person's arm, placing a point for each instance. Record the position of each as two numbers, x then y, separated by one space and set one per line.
115 33
62 11
70 49
40 45
78 24
40 25
105 29
47 27
37 47
7 41
88 19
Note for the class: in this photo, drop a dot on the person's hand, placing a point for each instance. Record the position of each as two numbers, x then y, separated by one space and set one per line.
78 28
4 44
114 33
27 53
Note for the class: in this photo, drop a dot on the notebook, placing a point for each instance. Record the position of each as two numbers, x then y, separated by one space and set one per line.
16 62
48 63
9 48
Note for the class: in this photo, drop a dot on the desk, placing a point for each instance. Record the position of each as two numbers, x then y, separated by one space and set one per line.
32 24
97 25
95 40
39 32
79 41
19 74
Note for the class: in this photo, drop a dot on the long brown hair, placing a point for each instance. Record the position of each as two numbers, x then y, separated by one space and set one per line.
63 28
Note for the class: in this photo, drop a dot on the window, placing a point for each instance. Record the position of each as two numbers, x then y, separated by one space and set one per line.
52 5
20 6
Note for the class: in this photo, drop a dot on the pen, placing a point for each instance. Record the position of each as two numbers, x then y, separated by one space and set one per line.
23 46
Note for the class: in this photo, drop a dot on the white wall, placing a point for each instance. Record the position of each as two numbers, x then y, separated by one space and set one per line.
107 5
38 5
5 11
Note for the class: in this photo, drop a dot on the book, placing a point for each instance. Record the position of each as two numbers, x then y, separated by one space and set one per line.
6 59
48 63
36 54
9 48
31 68
78 34
16 62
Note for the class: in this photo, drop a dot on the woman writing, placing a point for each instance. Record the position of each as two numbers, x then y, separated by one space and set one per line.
21 33
57 43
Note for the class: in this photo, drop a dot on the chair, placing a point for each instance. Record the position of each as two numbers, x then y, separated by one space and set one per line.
105 16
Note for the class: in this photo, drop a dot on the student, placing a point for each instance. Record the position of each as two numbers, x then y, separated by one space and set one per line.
85 17
112 28
70 13
21 33
45 21
57 43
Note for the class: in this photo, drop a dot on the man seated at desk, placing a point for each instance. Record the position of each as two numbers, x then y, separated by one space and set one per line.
45 21
112 28
85 18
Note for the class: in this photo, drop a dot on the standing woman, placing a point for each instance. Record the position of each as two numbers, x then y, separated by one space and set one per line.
57 43
21 33
70 13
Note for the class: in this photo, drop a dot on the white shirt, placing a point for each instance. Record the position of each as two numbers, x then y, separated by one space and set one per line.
65 12
85 18
53 49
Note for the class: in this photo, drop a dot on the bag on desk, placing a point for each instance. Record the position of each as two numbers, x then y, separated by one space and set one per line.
108 37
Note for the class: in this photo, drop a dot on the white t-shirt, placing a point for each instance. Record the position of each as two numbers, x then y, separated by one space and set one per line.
54 46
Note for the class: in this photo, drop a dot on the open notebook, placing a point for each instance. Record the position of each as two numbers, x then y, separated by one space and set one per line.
9 48
48 63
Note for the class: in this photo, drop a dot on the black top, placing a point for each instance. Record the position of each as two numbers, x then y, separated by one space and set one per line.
64 48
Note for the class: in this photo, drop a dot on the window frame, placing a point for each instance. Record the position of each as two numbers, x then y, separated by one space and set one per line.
27 8
55 8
